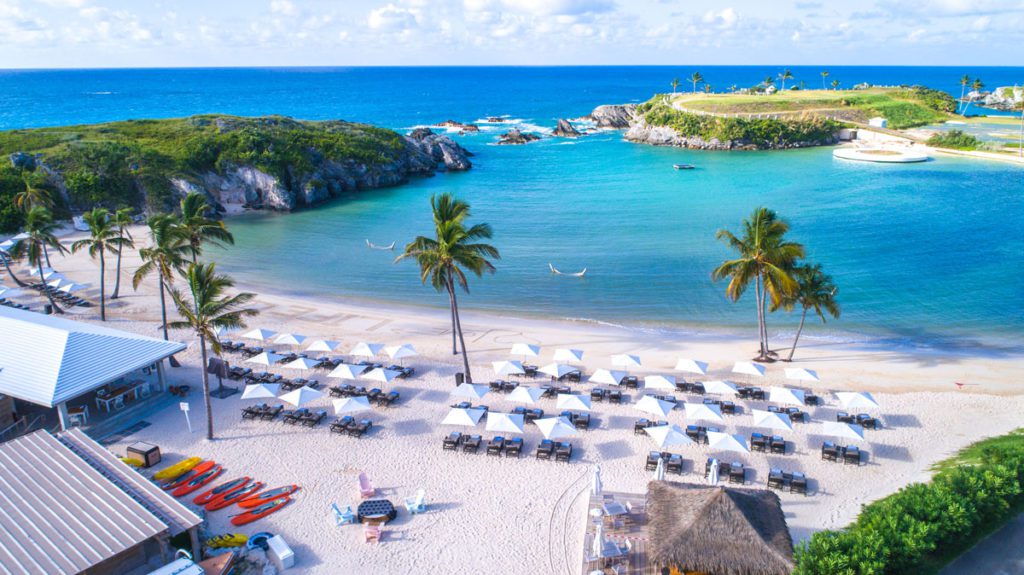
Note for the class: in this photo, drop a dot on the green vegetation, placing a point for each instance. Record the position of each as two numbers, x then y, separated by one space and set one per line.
954 139
923 526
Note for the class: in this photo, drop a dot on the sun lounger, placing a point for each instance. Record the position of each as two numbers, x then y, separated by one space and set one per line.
640 425
341 424
597 394
513 447
652 460
387 399
495 446
775 479
313 419
496 385
253 411
798 483
293 416
416 504
452 442
373 394
812 400
737 473
843 417
508 386
462 405
758 442
778 444
359 429
471 443
563 451
851 454
343 516
830 451
697 433
366 489
581 421
630 381
271 413
728 408
866 421
674 464
615 396
545 449
532 415
372 533
795 415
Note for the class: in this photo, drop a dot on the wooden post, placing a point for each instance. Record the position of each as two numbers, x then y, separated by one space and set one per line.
160 375
197 549
65 419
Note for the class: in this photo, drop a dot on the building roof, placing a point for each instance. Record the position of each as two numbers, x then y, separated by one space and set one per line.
48 360
62 511
717 530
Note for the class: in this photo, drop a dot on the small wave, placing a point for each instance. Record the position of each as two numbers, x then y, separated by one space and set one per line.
99 93
593 321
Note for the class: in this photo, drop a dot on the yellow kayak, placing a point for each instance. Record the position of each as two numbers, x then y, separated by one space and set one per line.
177 469
226 540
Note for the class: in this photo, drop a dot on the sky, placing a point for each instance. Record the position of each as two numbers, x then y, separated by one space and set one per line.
186 33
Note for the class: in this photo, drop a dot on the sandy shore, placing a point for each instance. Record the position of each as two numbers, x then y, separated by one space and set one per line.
526 516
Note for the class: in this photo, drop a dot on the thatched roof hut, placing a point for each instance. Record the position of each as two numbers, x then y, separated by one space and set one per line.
717 531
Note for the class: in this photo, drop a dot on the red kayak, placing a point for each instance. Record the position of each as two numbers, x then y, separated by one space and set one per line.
233 497
196 471
267 496
198 481
261 511
220 491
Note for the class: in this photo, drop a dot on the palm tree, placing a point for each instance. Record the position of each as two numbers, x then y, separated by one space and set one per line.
40 227
965 80
444 258
815 291
198 229
824 74
835 84
206 309
103 237
707 88
733 88
166 254
121 219
32 197
785 75
768 81
976 86
675 85
695 79
765 258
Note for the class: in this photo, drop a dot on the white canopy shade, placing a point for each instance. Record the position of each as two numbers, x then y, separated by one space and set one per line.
505 422
301 364
660 382
720 387
842 430
568 354
668 435
505 368
801 374
259 334
72 287
725 442
771 420
607 376
351 404
265 358
786 396
381 374
556 369
525 349
525 394
9 292
302 396
289 339
324 345
56 280
401 351
47 272
659 471
364 349
463 417
654 406
856 399
347 371
748 368
470 391
555 427
573 401
692 366
704 411
626 360
261 391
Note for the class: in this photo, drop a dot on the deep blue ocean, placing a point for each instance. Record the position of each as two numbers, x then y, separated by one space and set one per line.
924 254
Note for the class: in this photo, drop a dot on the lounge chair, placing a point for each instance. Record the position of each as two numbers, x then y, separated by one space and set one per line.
533 414
866 421
513 447
758 442
495 446
416 504
615 396
563 451
597 394
795 415
843 417
851 455
640 425
293 416
652 460
461 405
253 411
630 381
366 489
798 484
337 391
545 449
360 428
271 413
508 386
776 480
471 443
496 385
452 442
830 452
373 394
582 421
372 533
778 444
737 474
343 516
675 464
313 419
387 399
728 408
341 424
812 400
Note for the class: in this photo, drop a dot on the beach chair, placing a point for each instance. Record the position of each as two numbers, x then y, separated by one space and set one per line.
372 533
495 446
343 516
795 415
630 381
313 419
513 447
359 429
737 474
292 417
851 455
545 449
416 504
271 413
597 394
533 414
728 408
652 460
582 421
340 425
373 394
640 425
758 442
675 464
843 417
778 444
775 479
366 489
388 399
471 443
563 451
866 421
829 451
495 385
451 443
798 484
812 400
615 396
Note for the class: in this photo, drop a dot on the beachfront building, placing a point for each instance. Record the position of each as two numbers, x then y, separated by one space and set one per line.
70 506
60 372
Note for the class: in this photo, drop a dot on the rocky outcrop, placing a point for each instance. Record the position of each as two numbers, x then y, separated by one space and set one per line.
496 120
1002 98
454 125
642 133
516 137
614 116
565 129
22 160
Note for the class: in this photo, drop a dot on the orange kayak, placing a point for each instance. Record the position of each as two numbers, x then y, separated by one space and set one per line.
181 480
267 496
220 491
198 481
261 511
233 497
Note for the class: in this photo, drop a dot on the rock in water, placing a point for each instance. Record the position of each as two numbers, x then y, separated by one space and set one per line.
430 151
613 116
565 129
515 137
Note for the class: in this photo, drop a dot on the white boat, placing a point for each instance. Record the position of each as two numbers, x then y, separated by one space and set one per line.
879 155
374 246
555 271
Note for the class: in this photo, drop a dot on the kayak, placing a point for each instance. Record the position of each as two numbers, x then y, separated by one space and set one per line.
178 469
226 540
220 491
188 476
233 497
199 481
266 496
261 511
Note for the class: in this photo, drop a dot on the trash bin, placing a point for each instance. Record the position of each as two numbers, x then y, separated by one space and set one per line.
460 378
48 309
147 453
280 554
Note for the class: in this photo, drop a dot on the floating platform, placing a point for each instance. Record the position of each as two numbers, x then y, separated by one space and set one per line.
879 155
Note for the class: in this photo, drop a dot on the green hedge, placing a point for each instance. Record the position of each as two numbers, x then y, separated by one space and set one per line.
763 133
955 139
924 525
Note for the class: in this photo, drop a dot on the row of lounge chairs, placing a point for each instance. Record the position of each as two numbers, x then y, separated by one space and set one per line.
862 419
612 395
59 296
9 303
496 446
673 461
262 411
735 471
559 450
375 395
727 407
303 417
848 455
764 443
780 480
347 425
794 413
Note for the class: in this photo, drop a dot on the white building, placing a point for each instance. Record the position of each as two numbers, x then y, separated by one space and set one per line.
878 122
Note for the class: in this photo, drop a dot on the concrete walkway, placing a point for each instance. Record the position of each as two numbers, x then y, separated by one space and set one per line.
1001 553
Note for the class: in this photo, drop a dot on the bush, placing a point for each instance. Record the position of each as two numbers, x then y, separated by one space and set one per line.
763 133
954 139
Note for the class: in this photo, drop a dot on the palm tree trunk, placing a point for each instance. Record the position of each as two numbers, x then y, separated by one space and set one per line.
451 307
49 296
462 339
117 278
764 322
206 390
46 254
760 316
960 104
7 265
799 329
103 288
163 309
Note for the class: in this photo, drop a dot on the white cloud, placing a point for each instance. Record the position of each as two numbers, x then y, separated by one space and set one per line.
285 7
725 19
63 3
392 18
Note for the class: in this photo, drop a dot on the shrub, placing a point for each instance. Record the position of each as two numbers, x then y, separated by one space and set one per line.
761 132
955 139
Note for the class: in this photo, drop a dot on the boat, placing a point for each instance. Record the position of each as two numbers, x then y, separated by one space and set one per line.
261 498
197 482
879 155
555 271
684 166
218 565
261 511
226 540
185 477
233 497
220 491
374 246
178 469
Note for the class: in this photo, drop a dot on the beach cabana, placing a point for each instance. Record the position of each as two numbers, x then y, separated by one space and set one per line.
463 417
771 420
505 422
718 441
748 368
347 371
842 430
324 345
525 394
704 411
266 358
668 435
568 355
654 406
786 396
626 360
507 368
607 376
716 530
381 374
557 370
720 387
687 365
261 391
400 352
801 374
573 401
364 349
555 427
259 334
666 382
351 404
470 391
290 339
302 396
856 399
525 350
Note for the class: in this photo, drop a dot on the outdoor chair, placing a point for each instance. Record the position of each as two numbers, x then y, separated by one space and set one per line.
615 396
545 449
640 426
775 479
652 460
366 489
778 444
798 484
372 533
675 464
471 444
451 443
851 455
597 394
343 516
341 424
758 442
360 428
829 451
271 413
513 447
737 473
495 446
416 504
563 452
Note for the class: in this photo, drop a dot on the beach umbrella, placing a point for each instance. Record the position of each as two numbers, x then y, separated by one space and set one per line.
301 364
259 334
668 435
771 420
659 471
302 396
506 368
748 368
525 394
289 339
842 430
505 422
692 366
351 404
597 545
403 351
525 350
573 401
568 355
21 236
725 442
381 374
720 387
596 485
261 391
654 406
607 376
56 280
463 417
6 245
324 345
9 292
556 369
347 371
555 427
704 411
801 374
265 358
660 382
786 396
626 360
856 399
713 474
470 391
47 272
72 287
363 349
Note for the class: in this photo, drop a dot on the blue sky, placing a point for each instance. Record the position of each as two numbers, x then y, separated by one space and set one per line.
115 33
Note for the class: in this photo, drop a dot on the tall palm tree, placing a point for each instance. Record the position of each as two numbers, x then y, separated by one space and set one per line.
976 86
445 258
835 84
815 291
785 75
198 229
824 74
707 88
695 79
765 259
205 309
675 85
166 254
103 238
121 219
32 197
965 80
40 227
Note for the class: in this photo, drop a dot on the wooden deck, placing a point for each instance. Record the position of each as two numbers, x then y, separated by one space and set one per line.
633 534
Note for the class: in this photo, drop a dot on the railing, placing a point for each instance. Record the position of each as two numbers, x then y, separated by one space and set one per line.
19 428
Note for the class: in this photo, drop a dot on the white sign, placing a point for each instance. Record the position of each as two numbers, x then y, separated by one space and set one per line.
184 408
183 405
